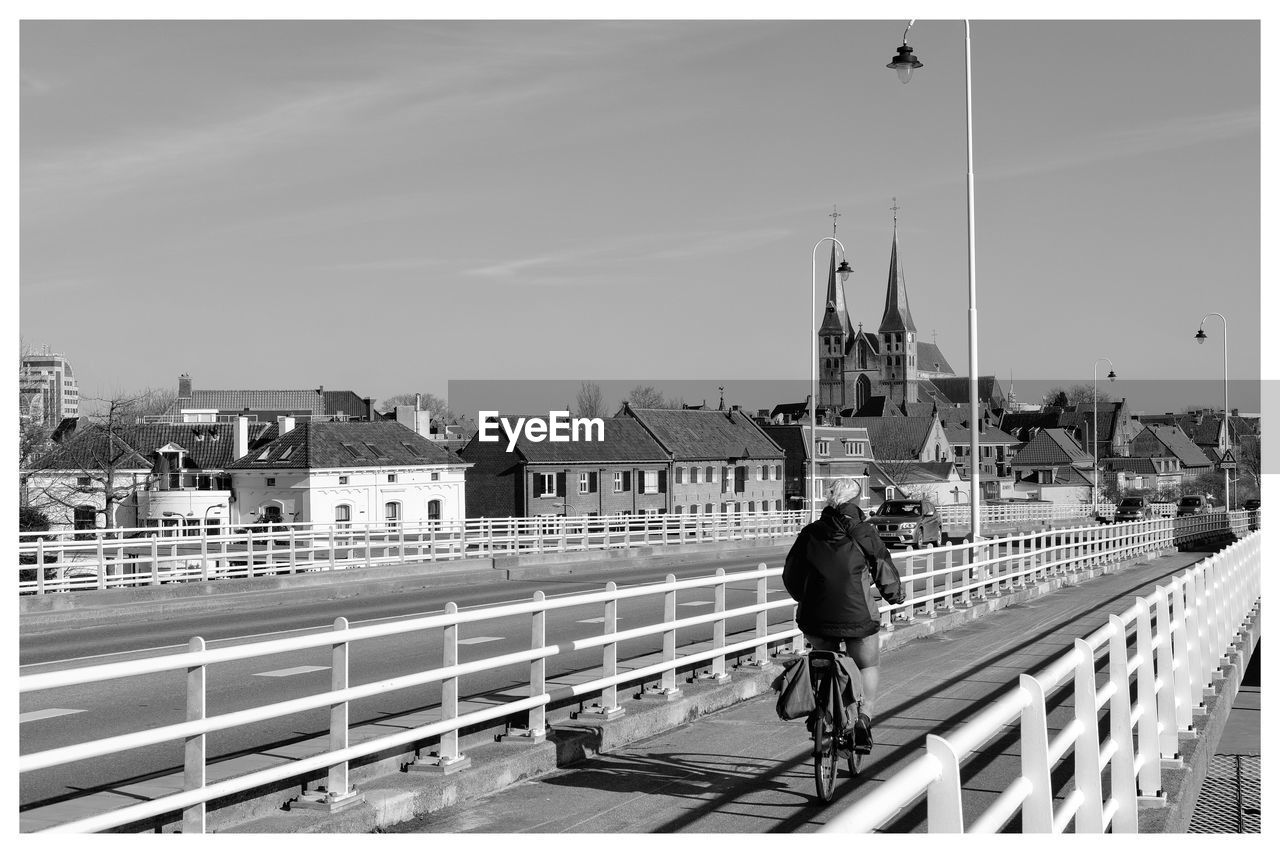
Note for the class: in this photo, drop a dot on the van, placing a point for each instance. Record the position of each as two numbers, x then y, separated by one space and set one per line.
1192 505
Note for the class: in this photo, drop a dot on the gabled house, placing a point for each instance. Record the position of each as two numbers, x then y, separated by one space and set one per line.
841 451
1153 475
719 461
1053 467
937 482
349 473
997 450
1160 440
627 473
905 439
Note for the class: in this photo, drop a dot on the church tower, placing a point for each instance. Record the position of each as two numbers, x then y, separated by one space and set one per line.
899 372
833 338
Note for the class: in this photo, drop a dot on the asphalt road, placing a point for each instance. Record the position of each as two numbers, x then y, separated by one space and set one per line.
79 714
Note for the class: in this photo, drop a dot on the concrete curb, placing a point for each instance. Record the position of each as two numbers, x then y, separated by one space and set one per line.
1182 785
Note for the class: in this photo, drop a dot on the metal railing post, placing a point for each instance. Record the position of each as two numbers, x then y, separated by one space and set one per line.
1183 650
669 639
368 546
538 670
337 785
761 653
608 707
1088 757
193 760
1121 713
155 562
293 550
1037 809
719 669
945 812
102 563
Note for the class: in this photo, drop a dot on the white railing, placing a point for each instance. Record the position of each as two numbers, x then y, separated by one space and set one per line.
1021 513
107 559
1180 635
936 579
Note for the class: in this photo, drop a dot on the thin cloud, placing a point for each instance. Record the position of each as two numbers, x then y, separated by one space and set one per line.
1182 132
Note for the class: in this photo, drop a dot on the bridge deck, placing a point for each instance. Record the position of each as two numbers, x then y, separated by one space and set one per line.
743 770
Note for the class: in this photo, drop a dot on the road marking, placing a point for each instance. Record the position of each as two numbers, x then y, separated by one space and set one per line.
293 670
32 716
596 621
471 641
696 604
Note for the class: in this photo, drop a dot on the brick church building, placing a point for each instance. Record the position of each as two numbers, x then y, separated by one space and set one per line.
856 366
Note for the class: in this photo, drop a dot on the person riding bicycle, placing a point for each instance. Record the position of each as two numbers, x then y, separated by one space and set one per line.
829 571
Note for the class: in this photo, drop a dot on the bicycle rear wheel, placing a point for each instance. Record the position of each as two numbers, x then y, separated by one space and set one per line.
824 758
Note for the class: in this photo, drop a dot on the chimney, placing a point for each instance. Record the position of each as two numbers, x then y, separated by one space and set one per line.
285 423
405 417
1235 413
184 386
240 431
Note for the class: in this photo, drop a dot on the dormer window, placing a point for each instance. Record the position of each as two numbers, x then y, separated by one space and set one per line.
262 457
351 448
288 451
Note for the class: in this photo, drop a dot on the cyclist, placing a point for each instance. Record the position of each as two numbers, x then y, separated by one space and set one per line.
830 570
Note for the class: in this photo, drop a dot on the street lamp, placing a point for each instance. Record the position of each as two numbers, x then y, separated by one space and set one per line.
206 513
905 63
1112 377
1201 337
844 270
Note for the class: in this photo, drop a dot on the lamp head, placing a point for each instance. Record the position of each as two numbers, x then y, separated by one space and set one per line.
1112 376
844 270
1201 337
905 63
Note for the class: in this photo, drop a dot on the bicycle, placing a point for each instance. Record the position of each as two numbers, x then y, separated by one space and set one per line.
832 733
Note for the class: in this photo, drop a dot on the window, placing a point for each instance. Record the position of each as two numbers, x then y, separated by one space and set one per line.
762 473
391 478
392 513
351 448
342 515
413 451
85 519
777 506
584 483
695 474
617 482
678 509
271 481
710 508
751 506
82 481
679 474
711 473
546 484
649 482
375 450
777 472
342 479
824 447
288 451
433 510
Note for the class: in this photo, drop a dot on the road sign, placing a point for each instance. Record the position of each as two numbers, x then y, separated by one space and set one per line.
1228 462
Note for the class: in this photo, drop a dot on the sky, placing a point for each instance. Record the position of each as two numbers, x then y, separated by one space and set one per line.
389 206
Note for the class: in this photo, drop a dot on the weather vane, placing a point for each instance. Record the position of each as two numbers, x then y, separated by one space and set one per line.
835 219
895 210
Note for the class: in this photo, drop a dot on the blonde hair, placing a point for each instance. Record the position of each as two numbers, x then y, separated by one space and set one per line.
842 491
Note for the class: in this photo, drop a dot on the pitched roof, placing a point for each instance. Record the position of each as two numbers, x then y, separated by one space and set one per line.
208 447
1051 447
790 410
959 434
928 472
794 438
1179 445
929 357
897 313
878 407
624 441
836 317
924 409
347 444
956 388
706 434
895 438
92 447
1069 476
234 401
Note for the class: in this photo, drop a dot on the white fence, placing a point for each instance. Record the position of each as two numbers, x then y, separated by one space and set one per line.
936 579
141 556
1166 649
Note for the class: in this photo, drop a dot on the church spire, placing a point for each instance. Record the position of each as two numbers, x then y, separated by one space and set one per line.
836 316
897 313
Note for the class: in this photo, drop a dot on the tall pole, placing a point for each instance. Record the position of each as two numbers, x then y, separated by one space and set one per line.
1226 410
1095 430
813 374
974 456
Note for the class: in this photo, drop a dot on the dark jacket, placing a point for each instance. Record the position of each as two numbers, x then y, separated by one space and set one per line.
827 572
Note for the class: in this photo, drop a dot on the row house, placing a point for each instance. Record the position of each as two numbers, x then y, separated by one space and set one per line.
1163 441
1053 467
839 451
996 449
1154 475
720 461
216 475
905 439
625 474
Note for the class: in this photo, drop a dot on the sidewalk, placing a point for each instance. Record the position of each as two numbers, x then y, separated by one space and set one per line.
1231 798
743 770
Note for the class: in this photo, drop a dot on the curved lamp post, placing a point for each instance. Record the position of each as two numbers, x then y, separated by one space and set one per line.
1201 337
1112 377
206 513
844 270
905 63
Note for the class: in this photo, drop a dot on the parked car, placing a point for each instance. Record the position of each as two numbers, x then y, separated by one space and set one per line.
908 522
1192 505
1253 504
1134 508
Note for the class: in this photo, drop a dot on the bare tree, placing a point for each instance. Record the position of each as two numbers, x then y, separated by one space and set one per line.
646 397
92 467
900 470
590 402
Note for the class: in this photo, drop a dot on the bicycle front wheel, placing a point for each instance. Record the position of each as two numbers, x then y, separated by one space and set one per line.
824 758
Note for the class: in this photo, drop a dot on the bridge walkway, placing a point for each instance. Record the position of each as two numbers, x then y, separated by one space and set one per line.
743 770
